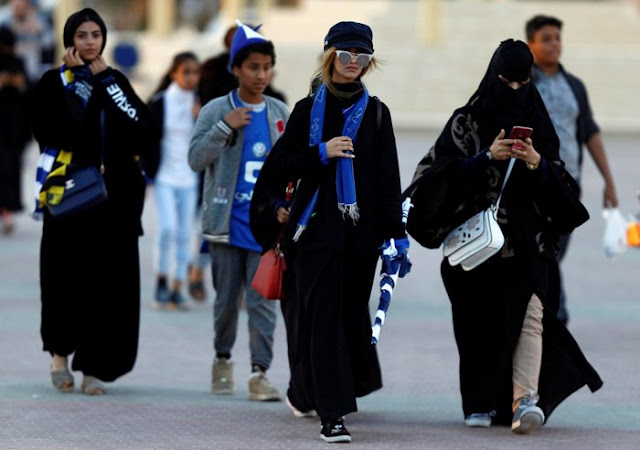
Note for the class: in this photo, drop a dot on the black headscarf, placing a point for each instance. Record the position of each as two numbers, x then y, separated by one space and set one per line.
497 106
445 194
78 18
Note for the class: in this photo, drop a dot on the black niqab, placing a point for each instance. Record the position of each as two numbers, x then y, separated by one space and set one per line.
497 106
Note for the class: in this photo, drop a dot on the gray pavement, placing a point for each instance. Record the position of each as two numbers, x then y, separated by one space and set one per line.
165 402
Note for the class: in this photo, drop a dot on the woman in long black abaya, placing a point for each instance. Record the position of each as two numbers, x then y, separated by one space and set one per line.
502 306
89 262
332 265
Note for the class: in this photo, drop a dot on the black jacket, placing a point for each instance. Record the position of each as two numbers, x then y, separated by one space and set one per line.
62 122
151 160
376 174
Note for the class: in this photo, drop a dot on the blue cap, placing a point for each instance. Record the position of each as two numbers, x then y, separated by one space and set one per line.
243 37
345 35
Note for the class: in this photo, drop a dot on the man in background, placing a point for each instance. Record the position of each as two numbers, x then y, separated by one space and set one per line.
566 100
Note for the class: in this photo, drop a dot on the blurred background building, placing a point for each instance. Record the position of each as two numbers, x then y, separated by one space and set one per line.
434 51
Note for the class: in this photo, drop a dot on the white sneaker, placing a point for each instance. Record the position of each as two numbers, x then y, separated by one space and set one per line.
478 420
297 412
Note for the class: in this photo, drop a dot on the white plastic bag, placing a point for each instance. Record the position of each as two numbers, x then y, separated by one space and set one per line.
615 232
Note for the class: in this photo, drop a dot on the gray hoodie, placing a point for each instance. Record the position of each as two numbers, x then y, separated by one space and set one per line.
217 148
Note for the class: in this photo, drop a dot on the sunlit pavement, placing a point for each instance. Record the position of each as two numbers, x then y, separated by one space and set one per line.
165 402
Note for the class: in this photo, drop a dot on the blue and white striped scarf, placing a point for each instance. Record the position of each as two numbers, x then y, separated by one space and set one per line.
345 179
52 163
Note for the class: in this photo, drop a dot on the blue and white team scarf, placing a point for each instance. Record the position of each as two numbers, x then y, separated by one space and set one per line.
394 254
52 163
77 81
345 179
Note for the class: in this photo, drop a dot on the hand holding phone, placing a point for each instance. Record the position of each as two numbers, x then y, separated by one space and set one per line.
518 132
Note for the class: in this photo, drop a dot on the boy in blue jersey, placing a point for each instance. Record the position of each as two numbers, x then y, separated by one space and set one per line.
231 139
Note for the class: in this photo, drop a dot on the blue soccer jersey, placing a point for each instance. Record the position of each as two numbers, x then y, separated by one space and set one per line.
257 143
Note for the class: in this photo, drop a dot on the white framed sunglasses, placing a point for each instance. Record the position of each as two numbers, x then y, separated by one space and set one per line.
362 59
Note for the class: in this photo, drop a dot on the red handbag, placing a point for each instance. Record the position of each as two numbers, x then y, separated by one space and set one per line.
267 280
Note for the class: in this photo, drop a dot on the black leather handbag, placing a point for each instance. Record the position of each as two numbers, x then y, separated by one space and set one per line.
84 188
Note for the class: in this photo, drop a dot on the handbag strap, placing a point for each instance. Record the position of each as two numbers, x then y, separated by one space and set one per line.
102 141
504 182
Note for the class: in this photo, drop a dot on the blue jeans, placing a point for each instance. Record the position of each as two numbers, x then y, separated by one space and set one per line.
176 210
232 269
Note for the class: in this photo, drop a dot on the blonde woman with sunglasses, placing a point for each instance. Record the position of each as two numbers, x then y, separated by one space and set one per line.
340 145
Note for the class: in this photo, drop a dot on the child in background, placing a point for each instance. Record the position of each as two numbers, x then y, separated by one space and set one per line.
174 108
231 139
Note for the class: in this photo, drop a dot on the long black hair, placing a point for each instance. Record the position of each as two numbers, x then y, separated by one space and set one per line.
177 61
78 18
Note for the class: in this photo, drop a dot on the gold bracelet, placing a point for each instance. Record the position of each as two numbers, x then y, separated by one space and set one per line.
532 166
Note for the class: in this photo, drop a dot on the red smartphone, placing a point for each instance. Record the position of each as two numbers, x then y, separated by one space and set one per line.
518 132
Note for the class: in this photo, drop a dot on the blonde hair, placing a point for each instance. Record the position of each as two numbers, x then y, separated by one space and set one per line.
324 72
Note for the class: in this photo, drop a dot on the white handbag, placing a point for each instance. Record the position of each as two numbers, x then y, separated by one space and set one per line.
478 238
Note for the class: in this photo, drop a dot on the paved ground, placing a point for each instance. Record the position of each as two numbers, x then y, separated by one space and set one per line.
165 403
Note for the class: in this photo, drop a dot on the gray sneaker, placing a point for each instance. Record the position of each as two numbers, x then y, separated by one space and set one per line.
528 417
261 389
222 377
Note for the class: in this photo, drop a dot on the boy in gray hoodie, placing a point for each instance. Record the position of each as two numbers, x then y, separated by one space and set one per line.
231 139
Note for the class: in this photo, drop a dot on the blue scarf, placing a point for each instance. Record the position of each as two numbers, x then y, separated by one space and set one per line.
345 179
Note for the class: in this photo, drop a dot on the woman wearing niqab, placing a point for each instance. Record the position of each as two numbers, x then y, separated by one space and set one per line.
510 373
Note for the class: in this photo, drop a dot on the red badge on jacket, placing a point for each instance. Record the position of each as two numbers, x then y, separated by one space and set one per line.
280 125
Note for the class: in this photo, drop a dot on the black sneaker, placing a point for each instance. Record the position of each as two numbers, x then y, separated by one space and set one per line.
162 294
177 302
333 430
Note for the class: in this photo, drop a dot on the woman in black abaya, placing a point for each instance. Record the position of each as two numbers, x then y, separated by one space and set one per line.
89 262
332 255
509 371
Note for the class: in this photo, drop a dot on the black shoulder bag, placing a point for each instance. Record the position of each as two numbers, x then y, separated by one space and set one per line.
84 186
